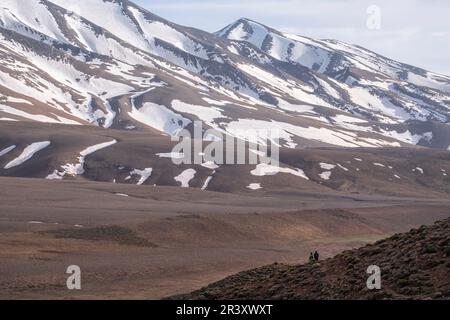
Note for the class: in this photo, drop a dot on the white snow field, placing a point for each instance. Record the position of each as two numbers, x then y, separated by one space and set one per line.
171 155
327 166
254 186
96 63
144 175
207 182
28 153
122 195
325 175
210 165
264 169
420 170
376 164
7 150
159 117
54 176
185 177
75 169
342 167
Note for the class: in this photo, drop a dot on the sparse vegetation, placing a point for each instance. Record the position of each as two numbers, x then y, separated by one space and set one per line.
116 234
413 265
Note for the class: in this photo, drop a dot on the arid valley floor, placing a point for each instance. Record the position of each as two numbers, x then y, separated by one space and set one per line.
163 241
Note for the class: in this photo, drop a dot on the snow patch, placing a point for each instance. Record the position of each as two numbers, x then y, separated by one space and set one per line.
206 114
74 169
215 102
54 176
7 150
327 166
254 186
35 222
264 169
185 177
28 153
144 174
207 181
379 165
210 165
159 117
325 175
171 155
418 169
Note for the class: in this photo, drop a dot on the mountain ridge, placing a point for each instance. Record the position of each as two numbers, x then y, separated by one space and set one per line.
294 82
97 98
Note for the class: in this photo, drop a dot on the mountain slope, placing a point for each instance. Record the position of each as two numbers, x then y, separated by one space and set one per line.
146 158
352 78
403 92
413 265
315 89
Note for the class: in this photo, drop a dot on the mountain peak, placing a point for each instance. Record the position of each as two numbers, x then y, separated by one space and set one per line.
244 19
244 28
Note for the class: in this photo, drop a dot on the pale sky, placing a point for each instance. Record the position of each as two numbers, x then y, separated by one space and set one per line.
412 31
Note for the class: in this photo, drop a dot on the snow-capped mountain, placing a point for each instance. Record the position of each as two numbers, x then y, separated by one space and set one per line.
113 64
364 83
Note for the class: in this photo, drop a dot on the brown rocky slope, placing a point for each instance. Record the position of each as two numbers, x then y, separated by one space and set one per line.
414 265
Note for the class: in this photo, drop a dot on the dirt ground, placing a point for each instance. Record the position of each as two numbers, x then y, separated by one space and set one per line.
162 241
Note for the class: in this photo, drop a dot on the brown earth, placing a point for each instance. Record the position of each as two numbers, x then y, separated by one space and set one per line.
414 265
192 237
138 150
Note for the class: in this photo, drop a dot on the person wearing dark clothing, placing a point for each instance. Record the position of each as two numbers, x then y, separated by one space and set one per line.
311 257
316 256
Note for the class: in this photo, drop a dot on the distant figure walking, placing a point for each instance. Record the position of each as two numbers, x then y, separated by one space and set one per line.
316 256
311 258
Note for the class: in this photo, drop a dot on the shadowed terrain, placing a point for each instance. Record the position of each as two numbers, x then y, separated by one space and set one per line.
414 265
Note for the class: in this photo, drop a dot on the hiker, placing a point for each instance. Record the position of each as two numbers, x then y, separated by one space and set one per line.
311 258
316 256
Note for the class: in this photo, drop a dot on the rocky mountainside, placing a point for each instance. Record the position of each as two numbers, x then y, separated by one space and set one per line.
364 83
95 90
113 64
56 152
414 265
